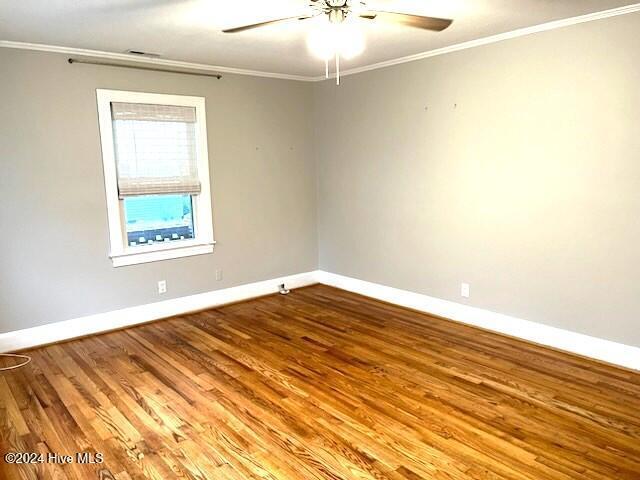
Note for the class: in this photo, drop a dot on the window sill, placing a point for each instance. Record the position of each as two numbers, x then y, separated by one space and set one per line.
146 256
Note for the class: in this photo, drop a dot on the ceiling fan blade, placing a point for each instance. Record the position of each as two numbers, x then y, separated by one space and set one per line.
268 22
427 23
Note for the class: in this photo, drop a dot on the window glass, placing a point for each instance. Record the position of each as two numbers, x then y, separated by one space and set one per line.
158 218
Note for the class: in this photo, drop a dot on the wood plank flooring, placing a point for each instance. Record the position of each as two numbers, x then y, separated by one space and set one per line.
319 384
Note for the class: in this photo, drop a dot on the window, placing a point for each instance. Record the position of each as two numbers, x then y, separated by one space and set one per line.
156 167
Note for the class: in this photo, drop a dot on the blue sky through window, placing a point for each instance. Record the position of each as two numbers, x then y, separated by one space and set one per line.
158 218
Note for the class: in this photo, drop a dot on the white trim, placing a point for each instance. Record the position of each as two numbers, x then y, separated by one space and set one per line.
589 17
41 47
605 350
103 322
121 253
600 349
164 254
521 32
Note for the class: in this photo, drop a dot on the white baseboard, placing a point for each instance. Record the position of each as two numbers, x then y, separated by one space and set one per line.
102 322
605 350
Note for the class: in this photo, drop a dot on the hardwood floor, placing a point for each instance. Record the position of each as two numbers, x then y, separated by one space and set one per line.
319 384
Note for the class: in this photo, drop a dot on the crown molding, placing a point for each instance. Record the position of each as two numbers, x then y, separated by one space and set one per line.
40 47
521 32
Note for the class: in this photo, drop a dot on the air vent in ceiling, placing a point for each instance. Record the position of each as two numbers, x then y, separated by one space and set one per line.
140 53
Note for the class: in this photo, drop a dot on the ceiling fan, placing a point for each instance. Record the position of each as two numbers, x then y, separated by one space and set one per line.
338 36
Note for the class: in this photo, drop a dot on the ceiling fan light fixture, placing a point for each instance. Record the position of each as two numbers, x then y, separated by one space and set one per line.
339 34
326 40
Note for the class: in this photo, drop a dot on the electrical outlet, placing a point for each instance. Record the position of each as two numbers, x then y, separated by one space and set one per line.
218 274
465 290
162 287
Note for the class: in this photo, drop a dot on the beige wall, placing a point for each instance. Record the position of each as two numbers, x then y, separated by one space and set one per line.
54 239
514 167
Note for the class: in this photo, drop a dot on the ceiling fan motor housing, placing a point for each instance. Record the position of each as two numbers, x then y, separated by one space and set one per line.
337 15
336 10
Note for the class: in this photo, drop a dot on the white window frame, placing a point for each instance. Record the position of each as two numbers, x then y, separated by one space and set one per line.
121 252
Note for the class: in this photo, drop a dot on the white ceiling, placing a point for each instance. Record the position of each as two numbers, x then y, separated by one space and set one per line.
189 30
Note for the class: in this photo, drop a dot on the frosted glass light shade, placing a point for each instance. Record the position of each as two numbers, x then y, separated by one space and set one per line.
326 40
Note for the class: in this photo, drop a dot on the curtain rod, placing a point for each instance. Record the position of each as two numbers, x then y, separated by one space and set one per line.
141 67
